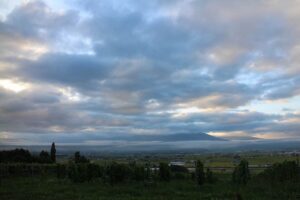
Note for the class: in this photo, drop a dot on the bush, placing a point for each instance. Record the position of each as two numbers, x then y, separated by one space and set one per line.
117 172
209 176
94 171
164 172
138 173
61 171
78 172
80 159
45 157
179 172
179 175
17 155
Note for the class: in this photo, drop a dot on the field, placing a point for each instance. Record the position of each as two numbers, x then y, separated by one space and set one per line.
52 188
217 162
47 186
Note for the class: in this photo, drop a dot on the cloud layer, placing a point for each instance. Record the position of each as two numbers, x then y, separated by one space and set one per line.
115 69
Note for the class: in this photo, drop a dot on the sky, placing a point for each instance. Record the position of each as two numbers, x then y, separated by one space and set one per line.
101 72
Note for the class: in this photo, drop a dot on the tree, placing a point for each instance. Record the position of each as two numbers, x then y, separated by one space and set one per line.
148 171
80 159
16 155
241 174
117 172
138 172
77 157
200 176
164 172
53 152
287 171
44 157
179 172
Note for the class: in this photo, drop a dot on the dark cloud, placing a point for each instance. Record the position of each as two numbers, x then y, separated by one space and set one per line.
81 71
160 67
36 20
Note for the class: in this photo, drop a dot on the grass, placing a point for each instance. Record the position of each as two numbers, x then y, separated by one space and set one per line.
221 160
33 188
48 188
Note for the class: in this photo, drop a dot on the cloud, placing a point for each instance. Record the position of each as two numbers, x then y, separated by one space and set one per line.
160 67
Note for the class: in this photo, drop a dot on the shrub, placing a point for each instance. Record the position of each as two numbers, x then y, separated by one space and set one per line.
164 172
80 159
94 171
209 176
117 172
17 155
61 171
138 173
44 157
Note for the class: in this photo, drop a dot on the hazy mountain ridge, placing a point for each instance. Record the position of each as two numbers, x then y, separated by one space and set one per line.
174 137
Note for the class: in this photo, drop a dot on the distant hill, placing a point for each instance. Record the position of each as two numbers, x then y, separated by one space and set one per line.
241 138
177 137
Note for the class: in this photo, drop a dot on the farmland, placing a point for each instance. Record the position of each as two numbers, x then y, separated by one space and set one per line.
42 181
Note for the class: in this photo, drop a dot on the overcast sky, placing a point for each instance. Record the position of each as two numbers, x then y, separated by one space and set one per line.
88 72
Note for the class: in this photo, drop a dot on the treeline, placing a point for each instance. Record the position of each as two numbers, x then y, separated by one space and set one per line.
80 169
111 173
20 162
24 156
287 171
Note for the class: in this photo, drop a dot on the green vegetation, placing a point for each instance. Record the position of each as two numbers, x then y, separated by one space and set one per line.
80 178
24 156
164 172
200 176
241 174
47 188
80 159
53 153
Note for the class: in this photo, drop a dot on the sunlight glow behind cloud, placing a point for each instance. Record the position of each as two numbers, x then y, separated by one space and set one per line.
105 70
12 85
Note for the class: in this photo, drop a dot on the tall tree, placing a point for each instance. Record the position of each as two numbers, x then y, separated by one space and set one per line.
53 152
241 174
200 176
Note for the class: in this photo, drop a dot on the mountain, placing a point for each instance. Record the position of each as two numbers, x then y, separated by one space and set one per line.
177 137
241 138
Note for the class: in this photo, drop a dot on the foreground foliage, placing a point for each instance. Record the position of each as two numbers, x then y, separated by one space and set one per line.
81 179
52 188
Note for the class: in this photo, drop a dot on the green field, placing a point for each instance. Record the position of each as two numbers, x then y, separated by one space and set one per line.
209 160
40 181
51 188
